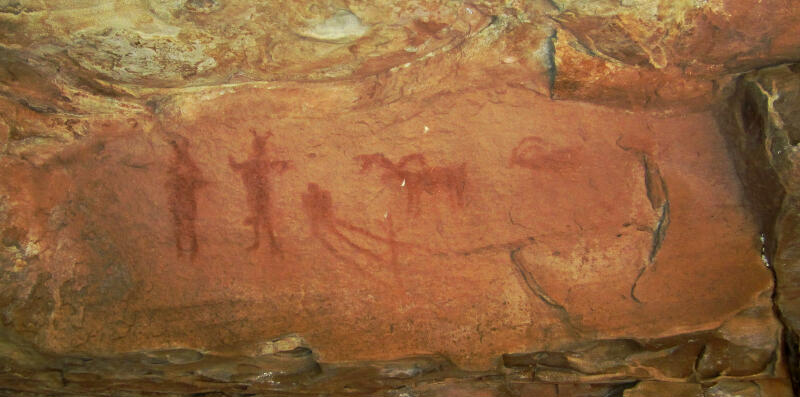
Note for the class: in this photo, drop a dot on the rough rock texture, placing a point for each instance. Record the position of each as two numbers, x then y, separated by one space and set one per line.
634 53
399 198
764 131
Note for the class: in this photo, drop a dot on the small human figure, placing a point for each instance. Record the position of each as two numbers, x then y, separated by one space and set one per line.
255 173
185 179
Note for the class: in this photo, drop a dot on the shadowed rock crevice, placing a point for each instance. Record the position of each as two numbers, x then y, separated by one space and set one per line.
659 200
759 120
288 366
658 197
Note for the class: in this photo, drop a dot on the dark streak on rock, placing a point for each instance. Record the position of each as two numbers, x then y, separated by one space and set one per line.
658 195
533 286
36 108
552 70
514 245
515 223
618 390
659 200
653 182
633 286
660 232
138 166
41 109
697 360
531 282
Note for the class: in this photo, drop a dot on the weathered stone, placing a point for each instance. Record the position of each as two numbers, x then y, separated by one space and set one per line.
394 198
568 389
674 52
775 387
643 53
155 212
763 129
656 389
746 345
730 389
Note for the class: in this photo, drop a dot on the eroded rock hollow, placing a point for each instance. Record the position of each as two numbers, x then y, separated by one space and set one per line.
400 198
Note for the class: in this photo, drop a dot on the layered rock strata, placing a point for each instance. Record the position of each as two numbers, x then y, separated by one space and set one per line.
764 130
561 198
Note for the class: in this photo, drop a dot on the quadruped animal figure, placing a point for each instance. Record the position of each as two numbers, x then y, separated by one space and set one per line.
413 174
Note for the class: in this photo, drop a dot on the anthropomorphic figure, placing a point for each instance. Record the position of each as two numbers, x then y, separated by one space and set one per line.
256 172
185 179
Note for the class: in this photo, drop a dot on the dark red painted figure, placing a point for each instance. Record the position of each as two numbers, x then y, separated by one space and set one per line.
319 206
414 174
185 179
535 153
255 173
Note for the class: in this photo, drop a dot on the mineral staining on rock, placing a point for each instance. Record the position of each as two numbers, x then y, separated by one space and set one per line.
382 198
130 56
400 228
341 27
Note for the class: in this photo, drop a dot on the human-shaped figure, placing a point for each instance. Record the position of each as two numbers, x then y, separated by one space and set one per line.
255 173
185 179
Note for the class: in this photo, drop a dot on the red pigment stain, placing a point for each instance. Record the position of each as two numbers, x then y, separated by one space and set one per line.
534 153
333 232
255 173
185 179
413 174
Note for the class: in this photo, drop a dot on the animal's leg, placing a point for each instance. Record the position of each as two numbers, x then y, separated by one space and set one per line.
192 234
256 233
273 241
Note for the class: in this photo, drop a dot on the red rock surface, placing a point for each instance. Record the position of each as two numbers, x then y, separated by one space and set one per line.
588 198
482 223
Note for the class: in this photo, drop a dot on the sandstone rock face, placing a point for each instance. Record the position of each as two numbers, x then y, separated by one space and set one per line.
764 132
398 198
244 196
634 53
